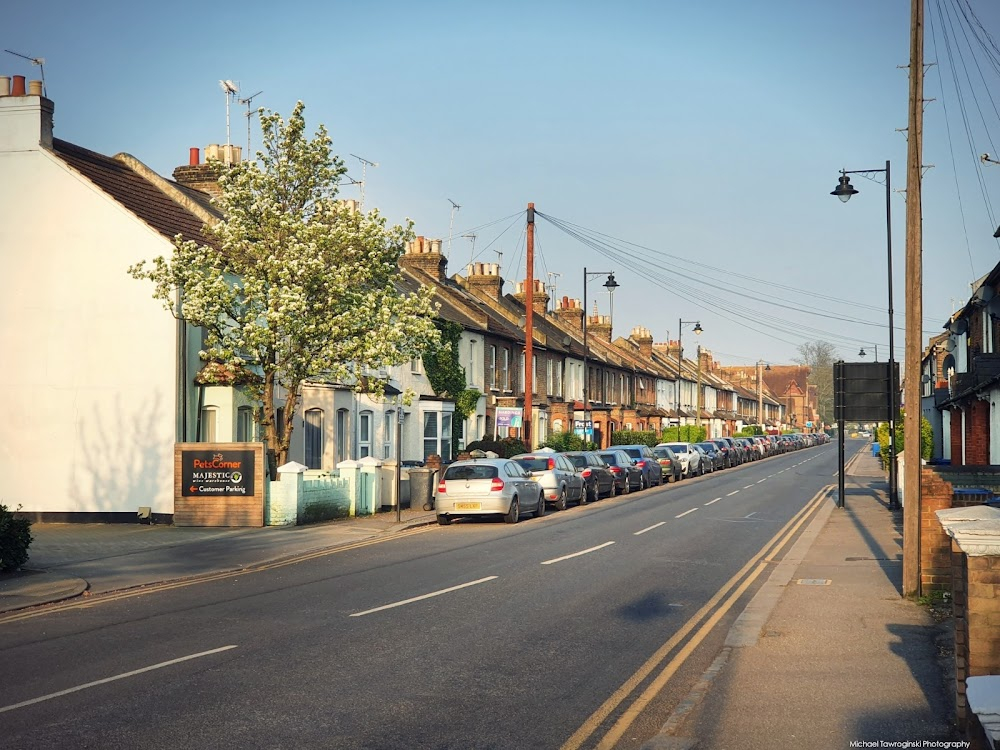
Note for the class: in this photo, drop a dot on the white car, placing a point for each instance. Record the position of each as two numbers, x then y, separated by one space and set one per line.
488 486
691 465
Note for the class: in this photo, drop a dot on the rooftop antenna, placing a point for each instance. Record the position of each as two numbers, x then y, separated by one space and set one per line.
472 254
249 115
499 261
364 171
552 287
231 90
451 224
39 61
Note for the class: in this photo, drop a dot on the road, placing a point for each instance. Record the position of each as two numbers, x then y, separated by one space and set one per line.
582 629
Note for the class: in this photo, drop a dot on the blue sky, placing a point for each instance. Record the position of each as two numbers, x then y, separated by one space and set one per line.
709 135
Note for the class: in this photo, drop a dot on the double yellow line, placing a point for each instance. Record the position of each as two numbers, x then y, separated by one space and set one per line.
731 591
115 596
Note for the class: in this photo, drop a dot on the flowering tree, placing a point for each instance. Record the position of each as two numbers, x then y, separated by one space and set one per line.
294 284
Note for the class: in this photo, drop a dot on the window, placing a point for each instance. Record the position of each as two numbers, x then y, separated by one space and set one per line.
430 433
506 370
548 378
388 428
245 432
494 383
314 438
364 434
208 416
342 433
437 434
557 425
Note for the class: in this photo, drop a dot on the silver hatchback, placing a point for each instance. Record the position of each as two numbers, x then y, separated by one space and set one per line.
561 481
487 486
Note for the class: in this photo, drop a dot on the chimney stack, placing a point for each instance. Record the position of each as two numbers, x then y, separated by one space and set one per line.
599 326
484 280
425 254
539 300
25 118
203 177
570 312
643 338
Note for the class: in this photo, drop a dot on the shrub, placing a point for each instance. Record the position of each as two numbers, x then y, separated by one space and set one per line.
634 437
926 439
503 448
688 433
567 441
15 538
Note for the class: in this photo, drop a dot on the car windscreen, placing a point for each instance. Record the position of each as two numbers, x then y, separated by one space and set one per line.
662 452
709 446
533 464
678 447
633 452
471 471
609 458
579 462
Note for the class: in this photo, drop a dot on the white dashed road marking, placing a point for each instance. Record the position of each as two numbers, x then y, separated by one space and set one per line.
424 596
649 528
577 554
681 515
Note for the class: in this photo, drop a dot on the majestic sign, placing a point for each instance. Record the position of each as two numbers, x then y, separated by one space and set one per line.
219 484
225 472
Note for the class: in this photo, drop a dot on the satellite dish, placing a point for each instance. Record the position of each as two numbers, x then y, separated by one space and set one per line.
959 326
993 308
949 345
984 293
229 87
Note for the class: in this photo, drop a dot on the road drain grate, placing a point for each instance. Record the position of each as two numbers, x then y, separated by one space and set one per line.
813 581
878 559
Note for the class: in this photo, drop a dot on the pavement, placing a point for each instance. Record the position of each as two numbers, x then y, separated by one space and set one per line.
827 653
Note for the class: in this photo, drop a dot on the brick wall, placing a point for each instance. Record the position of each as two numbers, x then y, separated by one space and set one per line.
959 603
977 434
956 437
935 544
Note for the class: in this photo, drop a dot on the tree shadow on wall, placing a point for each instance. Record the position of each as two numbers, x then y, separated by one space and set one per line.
120 459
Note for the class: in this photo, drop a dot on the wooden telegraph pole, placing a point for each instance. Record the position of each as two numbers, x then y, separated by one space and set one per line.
914 307
529 308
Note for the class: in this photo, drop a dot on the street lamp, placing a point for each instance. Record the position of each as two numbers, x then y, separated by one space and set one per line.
680 351
863 353
610 285
844 191
760 391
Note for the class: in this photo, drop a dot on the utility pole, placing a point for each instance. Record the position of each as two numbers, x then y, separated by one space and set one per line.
529 309
914 306
697 400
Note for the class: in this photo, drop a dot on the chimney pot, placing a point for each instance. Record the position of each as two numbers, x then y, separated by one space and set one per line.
34 88
4 85
18 89
194 157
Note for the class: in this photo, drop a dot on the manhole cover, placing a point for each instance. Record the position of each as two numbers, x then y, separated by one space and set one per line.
813 581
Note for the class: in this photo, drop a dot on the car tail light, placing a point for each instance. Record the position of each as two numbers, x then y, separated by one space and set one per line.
615 469
552 463
641 464
585 473
441 487
496 485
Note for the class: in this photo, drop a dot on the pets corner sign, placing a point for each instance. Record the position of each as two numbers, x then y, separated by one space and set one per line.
214 473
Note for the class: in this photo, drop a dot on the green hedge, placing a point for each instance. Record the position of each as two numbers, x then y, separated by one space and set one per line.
567 441
504 448
926 439
15 538
634 437
688 433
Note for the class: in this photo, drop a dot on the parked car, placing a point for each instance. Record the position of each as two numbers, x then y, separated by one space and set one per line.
670 462
487 486
597 477
750 453
689 456
652 472
728 452
712 454
628 476
561 481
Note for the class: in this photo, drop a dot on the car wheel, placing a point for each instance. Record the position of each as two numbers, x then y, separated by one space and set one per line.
626 487
540 510
513 514
643 484
614 490
444 520
561 502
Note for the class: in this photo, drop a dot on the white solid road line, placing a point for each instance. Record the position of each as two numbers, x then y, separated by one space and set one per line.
713 501
577 554
649 528
424 596
122 676
681 515
734 492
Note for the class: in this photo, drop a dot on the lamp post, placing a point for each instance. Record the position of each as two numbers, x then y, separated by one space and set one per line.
844 191
760 391
863 353
610 285
680 352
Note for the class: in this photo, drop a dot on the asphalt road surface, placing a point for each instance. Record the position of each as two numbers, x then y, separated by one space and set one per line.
582 629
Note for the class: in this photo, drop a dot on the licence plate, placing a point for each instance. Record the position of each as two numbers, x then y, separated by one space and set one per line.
468 506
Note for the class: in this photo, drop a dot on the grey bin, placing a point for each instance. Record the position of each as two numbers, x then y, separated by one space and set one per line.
422 488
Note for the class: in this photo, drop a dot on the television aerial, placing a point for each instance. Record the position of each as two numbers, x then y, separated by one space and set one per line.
39 61
249 115
451 224
365 163
231 90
